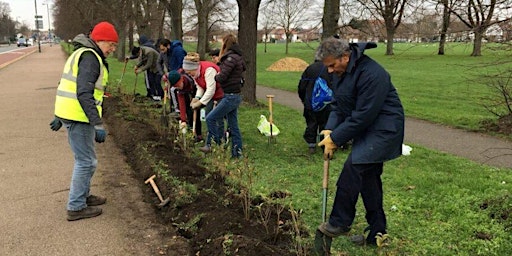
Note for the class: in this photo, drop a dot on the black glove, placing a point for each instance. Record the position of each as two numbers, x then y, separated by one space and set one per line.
56 124
101 134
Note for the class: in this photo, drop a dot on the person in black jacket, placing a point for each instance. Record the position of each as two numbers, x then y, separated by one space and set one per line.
315 120
367 110
230 78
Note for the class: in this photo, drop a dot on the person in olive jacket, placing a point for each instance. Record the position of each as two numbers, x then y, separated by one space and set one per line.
368 110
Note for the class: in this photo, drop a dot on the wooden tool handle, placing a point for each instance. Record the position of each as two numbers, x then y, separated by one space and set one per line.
157 191
194 117
326 174
270 118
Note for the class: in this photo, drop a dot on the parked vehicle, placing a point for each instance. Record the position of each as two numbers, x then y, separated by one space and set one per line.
30 42
22 42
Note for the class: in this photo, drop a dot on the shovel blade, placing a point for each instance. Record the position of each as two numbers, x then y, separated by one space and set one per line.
322 244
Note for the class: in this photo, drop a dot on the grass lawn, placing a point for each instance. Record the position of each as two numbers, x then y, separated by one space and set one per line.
436 204
441 89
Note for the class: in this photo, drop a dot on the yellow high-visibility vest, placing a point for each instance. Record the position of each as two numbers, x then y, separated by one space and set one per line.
67 105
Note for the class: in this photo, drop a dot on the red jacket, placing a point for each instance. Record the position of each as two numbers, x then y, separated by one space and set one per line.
188 91
201 82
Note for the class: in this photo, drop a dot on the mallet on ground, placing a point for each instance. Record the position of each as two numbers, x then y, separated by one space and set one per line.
157 191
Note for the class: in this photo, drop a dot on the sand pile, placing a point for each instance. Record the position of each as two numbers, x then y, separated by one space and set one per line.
288 64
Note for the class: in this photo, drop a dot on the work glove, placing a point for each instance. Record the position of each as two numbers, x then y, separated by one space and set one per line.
183 127
195 104
101 134
329 146
56 124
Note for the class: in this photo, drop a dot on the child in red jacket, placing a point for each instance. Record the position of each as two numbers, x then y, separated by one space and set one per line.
186 91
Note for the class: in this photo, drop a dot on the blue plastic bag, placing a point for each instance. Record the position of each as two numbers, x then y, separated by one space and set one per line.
321 96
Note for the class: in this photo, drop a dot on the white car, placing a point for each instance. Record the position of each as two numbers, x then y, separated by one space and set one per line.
30 42
22 42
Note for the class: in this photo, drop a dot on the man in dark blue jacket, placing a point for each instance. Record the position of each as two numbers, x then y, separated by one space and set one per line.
368 110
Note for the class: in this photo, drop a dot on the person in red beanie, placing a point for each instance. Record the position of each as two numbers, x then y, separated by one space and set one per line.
78 105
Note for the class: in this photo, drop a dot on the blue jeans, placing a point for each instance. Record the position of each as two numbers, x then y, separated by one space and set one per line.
227 107
81 140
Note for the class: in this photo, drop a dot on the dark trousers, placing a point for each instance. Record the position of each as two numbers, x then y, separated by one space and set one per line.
315 123
153 84
355 179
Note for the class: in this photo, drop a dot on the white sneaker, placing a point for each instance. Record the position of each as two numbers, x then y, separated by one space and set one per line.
157 98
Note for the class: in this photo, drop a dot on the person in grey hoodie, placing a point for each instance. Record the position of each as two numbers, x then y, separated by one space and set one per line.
147 63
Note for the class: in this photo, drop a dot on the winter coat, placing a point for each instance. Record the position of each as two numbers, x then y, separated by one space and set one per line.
145 41
177 55
307 82
232 66
148 59
89 71
367 109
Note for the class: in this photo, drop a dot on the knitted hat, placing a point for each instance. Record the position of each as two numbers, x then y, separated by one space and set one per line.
214 52
104 31
173 77
190 65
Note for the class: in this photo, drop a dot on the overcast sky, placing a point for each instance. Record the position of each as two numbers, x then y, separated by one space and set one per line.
24 11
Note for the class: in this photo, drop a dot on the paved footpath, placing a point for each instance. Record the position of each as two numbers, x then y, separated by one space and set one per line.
35 172
474 146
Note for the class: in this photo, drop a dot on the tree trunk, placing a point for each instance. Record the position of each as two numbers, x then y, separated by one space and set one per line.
248 40
389 45
444 29
202 27
175 9
477 43
330 18
286 42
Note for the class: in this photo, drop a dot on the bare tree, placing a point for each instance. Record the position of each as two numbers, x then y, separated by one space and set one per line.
330 18
7 25
208 13
446 5
291 15
266 20
479 15
392 12
175 10
248 23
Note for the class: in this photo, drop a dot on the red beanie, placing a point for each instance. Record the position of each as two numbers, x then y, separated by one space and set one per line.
104 31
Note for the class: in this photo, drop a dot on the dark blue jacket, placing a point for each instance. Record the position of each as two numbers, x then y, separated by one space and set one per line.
177 55
367 109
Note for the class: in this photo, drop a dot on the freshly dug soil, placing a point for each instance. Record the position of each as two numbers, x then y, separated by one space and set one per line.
203 210
288 64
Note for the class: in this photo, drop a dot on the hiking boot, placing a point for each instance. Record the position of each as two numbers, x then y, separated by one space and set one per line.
332 231
358 240
205 149
87 212
93 200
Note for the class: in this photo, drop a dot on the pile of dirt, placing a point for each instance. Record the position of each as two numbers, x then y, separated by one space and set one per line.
288 64
204 209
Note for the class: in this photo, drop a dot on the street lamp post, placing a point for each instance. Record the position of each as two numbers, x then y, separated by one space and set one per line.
37 28
49 26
